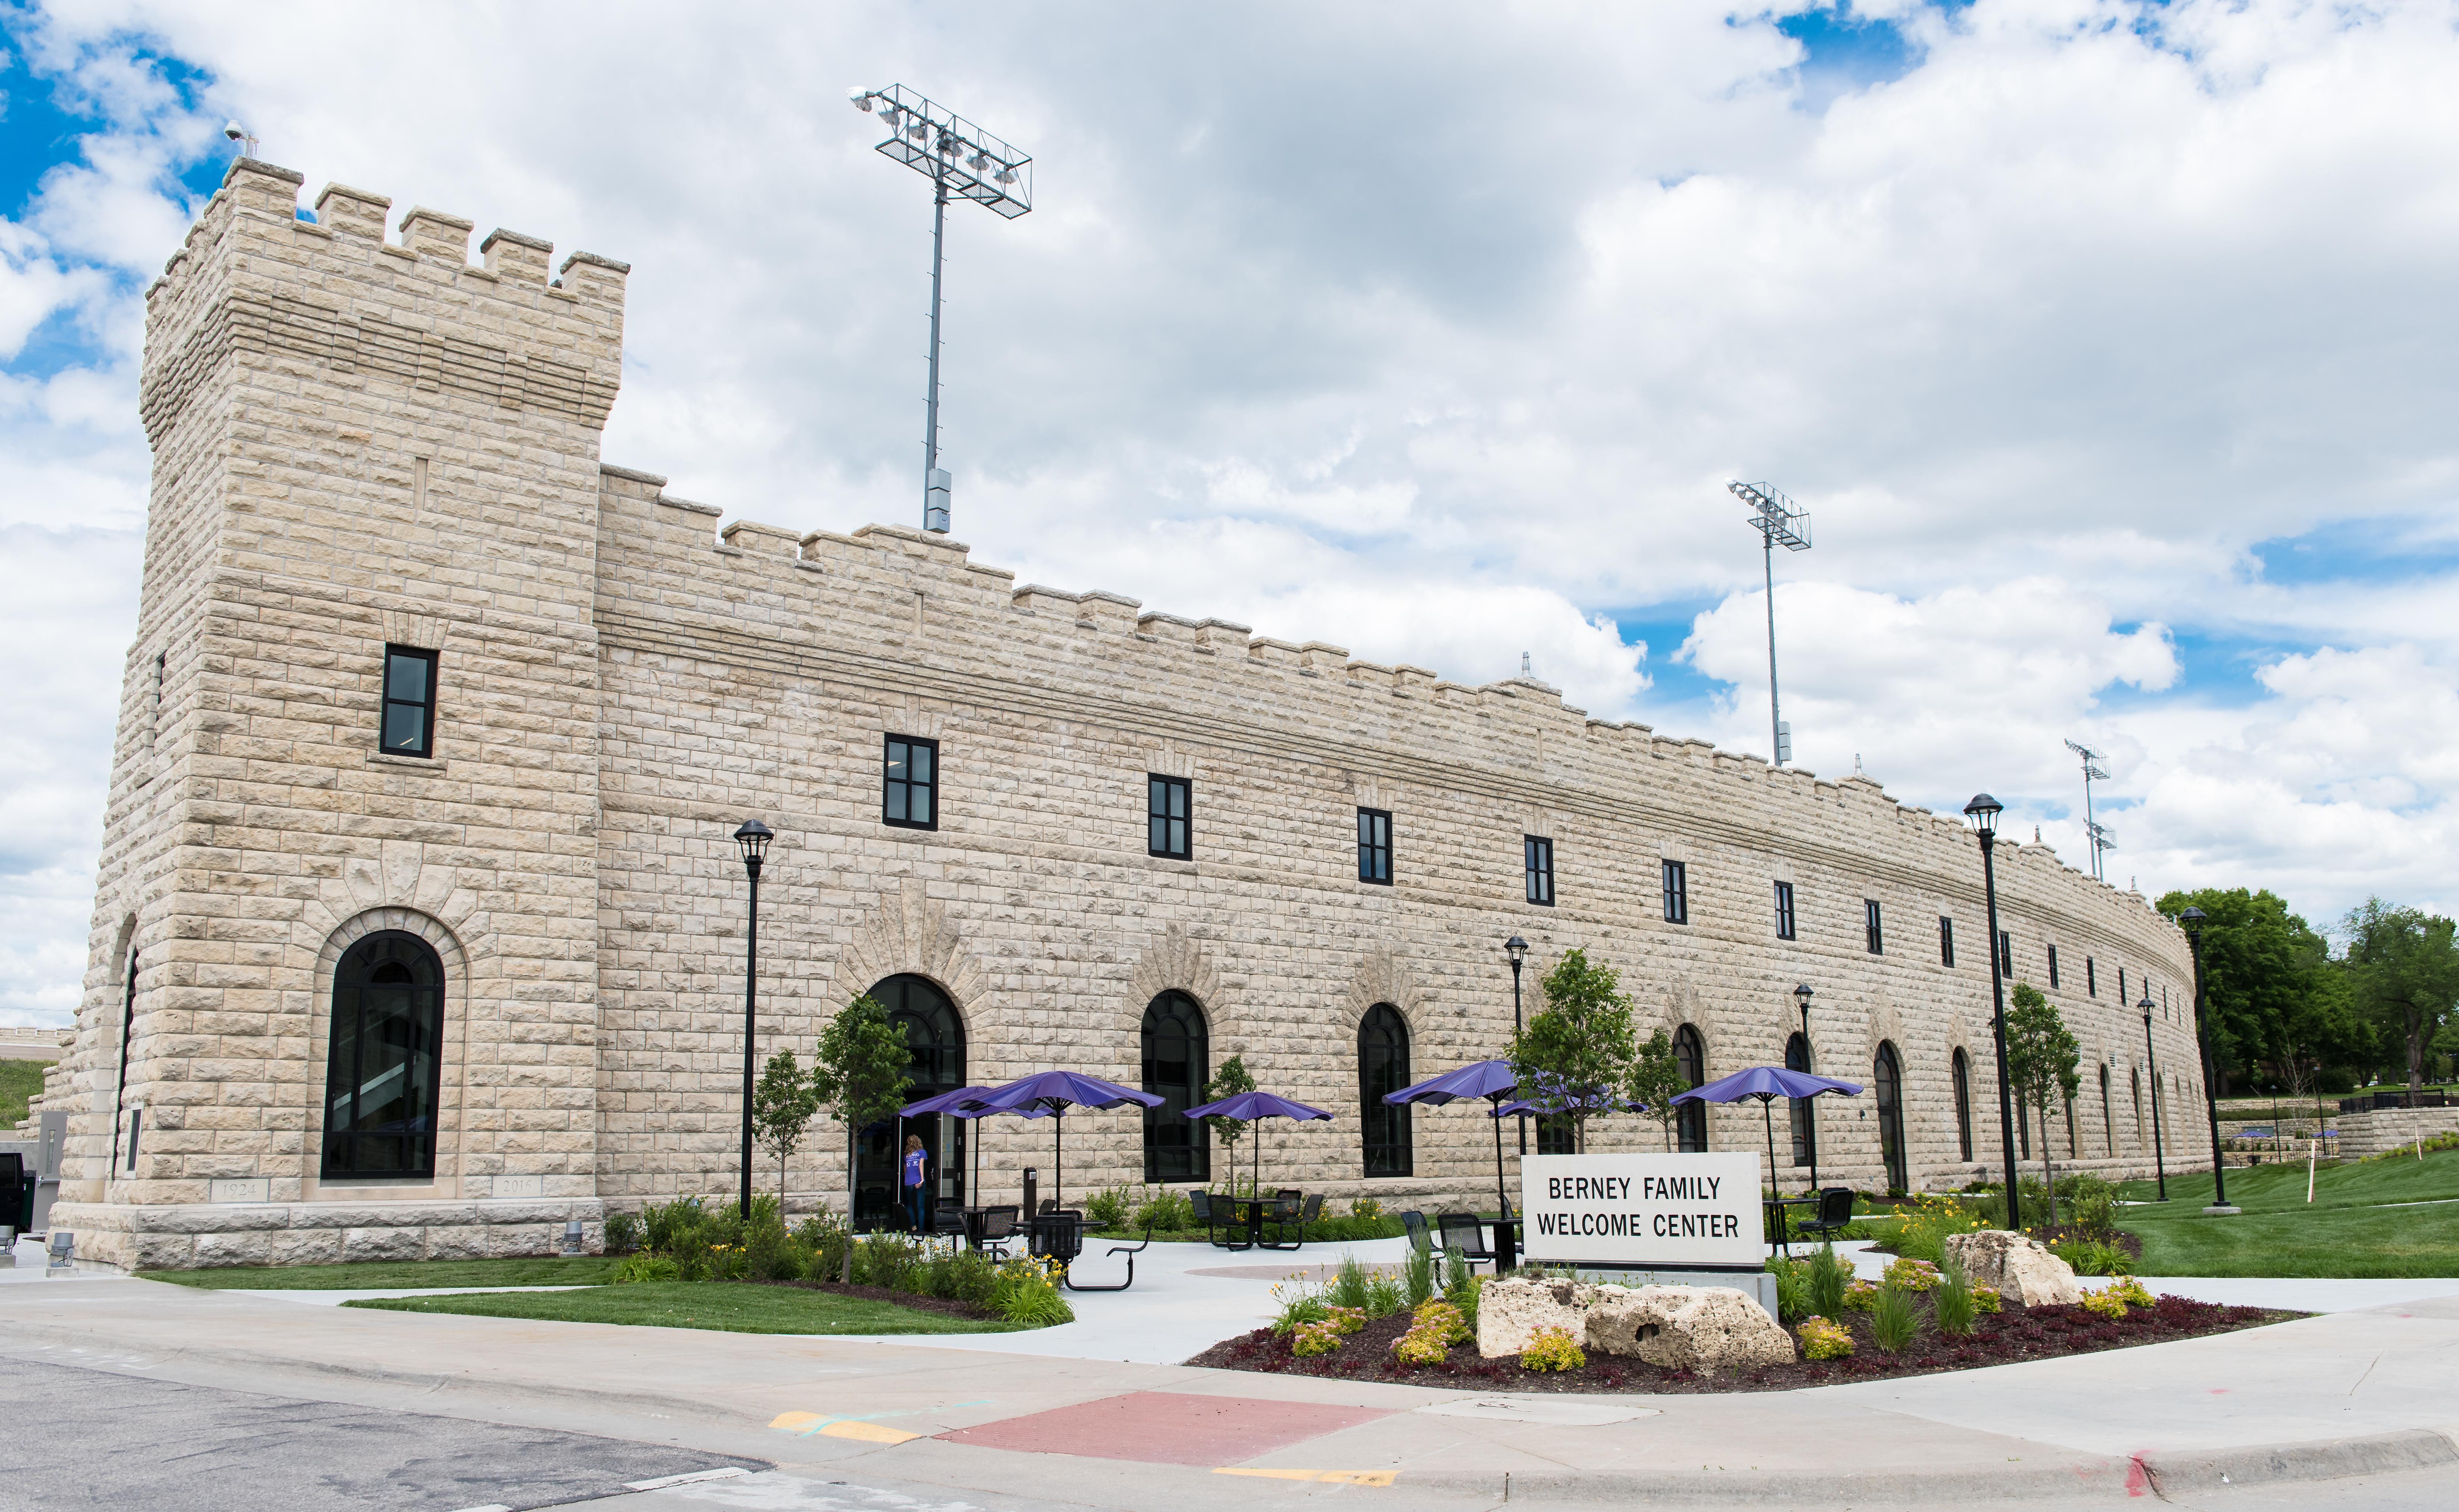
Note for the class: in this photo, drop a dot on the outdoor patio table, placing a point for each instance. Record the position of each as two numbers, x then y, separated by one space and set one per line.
1775 1224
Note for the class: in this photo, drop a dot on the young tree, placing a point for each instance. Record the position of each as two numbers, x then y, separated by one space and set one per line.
782 1108
2043 1062
2406 971
1229 1082
1579 1046
859 1073
1656 1077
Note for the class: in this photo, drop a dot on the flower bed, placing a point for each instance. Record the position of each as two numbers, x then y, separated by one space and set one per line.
2006 1338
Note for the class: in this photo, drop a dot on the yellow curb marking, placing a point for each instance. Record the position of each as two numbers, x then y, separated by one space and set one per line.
808 1423
793 1419
1364 1478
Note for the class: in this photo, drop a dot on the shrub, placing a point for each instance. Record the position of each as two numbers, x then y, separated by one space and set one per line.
1986 1298
1299 1306
1168 1212
1953 1304
1822 1340
1368 1208
2090 1257
1923 1233
2091 1211
1911 1275
622 1232
1107 1208
1026 1291
1552 1349
1860 1296
824 1236
1345 1319
1893 1321
1792 1290
2133 1293
1442 1320
770 1254
1383 1295
665 1224
888 1260
2105 1302
646 1268
1421 1345
1827 1277
962 1276
1418 1276
1310 1339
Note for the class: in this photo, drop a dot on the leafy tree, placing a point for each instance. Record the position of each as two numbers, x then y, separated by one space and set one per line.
1656 1077
859 1073
1579 1046
2043 1064
2404 969
782 1108
1229 1082
2274 998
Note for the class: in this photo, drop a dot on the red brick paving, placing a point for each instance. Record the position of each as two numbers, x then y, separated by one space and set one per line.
1166 1428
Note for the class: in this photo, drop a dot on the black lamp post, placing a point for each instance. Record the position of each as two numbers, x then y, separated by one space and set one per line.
1518 950
753 837
2158 1165
1984 810
1801 995
2193 919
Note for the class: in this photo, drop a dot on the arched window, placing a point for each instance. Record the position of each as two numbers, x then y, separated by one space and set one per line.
934 1037
380 1069
1691 1055
1805 1133
2108 1122
1890 1076
1962 1066
2134 1079
1383 1066
1177 1063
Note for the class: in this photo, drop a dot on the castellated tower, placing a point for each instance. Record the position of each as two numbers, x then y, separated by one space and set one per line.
366 455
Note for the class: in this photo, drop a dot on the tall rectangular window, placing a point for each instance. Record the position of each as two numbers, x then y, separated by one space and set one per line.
1168 809
1946 940
1375 846
1873 937
2121 989
2054 965
910 784
1784 925
1539 855
1677 892
2090 979
2005 954
409 701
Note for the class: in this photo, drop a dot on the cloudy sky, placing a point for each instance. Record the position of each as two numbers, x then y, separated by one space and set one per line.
2108 346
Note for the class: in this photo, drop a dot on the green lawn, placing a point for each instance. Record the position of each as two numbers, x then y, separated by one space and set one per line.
731 1307
378 1275
2347 1230
19 1081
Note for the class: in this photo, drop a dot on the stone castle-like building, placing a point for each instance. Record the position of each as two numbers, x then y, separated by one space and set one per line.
418 926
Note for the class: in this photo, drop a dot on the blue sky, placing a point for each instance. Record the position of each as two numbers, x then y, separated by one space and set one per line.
2105 343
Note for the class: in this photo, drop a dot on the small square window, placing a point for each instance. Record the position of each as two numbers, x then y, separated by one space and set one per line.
409 701
1946 940
1375 846
1539 857
910 784
1677 892
1168 810
1785 928
2054 965
1873 937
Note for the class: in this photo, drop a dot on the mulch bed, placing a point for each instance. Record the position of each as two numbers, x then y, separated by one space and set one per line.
2018 1334
916 1300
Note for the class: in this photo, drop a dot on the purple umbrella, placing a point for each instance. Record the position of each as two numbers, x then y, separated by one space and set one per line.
1248 1106
1054 1093
1490 1079
1767 1083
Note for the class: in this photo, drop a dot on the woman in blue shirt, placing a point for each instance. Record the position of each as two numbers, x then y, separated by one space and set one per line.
916 1176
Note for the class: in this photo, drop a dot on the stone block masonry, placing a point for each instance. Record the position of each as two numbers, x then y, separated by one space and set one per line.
362 444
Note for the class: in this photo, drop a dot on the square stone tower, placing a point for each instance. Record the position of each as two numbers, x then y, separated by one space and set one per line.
362 450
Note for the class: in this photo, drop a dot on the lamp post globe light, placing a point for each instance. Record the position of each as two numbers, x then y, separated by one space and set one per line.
753 837
1984 810
2193 920
1518 950
1801 995
2160 1165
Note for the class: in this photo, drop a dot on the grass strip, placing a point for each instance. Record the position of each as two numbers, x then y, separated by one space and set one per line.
384 1275
723 1306
2282 1187
2347 1231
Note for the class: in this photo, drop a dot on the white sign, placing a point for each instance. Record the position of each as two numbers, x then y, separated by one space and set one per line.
1654 1211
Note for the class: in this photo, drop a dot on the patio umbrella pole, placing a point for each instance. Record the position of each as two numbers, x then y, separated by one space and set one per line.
1059 1156
1502 1208
1767 1116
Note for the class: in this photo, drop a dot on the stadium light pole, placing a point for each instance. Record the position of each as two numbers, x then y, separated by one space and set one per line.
961 159
1984 810
1778 522
2095 833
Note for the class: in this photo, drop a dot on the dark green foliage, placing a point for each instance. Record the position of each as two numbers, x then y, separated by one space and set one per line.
1656 1077
1418 1276
1229 1082
2278 1004
966 1276
20 1082
1580 1044
860 1072
1951 1300
1893 1321
622 1232
1828 1276
2043 1063
1792 1290
2403 967
783 1105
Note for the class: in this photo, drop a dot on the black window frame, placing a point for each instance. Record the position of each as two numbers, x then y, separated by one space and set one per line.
1887 1083
1386 1147
1537 861
429 661
1874 928
1787 924
1946 940
343 1153
1676 878
1799 1111
893 789
1960 1066
2054 967
2090 979
1176 1147
1160 822
2007 954
1691 1123
1375 846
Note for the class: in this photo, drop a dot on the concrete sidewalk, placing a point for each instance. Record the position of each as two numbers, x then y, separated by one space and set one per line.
2355 1392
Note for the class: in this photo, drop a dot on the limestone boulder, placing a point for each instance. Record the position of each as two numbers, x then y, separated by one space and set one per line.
1702 1329
2020 1269
1510 1311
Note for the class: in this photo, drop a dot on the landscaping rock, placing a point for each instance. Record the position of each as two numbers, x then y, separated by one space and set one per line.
2022 1269
1511 1311
1702 1329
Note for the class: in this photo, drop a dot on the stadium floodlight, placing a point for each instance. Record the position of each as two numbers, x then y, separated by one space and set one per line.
1779 524
962 159
2095 834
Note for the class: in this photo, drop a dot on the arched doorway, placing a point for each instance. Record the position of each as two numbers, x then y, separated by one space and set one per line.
1691 1054
1889 1072
934 1037
1383 1068
1177 1063
1805 1133
380 1067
